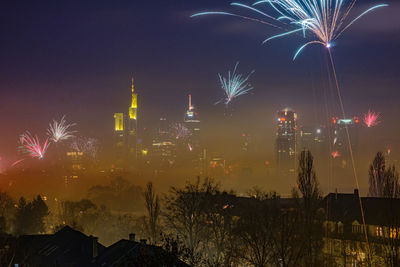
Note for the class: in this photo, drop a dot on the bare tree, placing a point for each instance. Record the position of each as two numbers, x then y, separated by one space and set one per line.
7 211
391 185
153 211
286 235
185 215
219 221
377 176
254 231
384 185
309 206
390 217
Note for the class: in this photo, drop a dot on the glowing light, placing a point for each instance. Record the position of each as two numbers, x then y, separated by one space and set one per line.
133 107
119 122
234 85
326 20
345 121
32 146
371 119
59 131
335 154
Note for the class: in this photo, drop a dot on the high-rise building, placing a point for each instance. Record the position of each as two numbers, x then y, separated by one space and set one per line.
132 133
126 134
313 138
119 139
341 151
316 140
163 148
286 141
192 122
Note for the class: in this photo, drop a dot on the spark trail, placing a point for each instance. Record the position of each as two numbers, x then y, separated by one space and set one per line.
31 145
180 131
323 20
234 85
59 131
371 119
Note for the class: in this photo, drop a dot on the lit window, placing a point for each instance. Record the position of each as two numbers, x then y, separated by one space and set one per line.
378 230
394 233
356 228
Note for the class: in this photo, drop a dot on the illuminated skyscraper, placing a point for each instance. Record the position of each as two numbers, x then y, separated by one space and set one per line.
163 150
119 139
340 142
316 140
132 126
193 124
286 141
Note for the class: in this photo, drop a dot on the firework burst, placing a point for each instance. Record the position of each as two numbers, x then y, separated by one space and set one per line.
335 154
180 131
234 85
31 145
59 131
371 119
325 20
89 146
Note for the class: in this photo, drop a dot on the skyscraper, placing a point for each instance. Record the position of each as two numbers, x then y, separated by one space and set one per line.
119 140
132 126
286 141
340 142
193 124
163 150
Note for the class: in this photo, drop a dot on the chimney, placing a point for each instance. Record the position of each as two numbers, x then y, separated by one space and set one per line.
143 241
132 237
95 251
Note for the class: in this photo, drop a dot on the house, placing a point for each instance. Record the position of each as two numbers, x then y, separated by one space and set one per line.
69 247
133 253
345 238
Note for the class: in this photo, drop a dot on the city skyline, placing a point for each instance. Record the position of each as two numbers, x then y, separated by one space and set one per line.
200 133
87 77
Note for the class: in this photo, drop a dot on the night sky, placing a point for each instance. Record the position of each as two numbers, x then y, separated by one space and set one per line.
77 57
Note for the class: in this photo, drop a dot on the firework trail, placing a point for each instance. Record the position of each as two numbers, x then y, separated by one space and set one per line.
234 85
59 131
32 146
325 20
180 131
16 162
371 119
89 146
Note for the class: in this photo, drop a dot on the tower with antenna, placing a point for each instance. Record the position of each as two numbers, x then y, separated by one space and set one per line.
192 122
132 125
